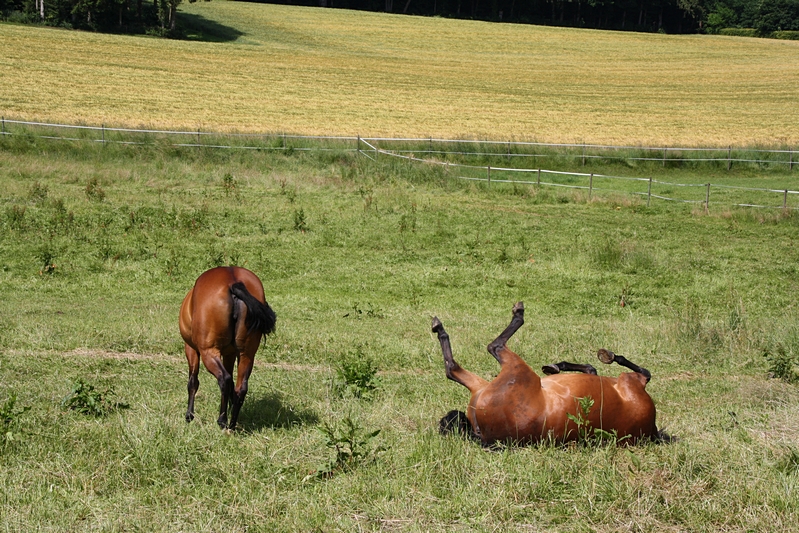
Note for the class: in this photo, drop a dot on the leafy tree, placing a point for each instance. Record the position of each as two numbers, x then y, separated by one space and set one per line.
775 15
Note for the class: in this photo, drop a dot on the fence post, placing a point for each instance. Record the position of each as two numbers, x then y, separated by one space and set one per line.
539 178
649 192
4 125
790 158
664 158
729 157
103 126
583 154
590 185
489 176
707 197
785 199
198 135
358 144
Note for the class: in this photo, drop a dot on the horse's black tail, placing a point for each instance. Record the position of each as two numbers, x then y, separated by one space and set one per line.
259 315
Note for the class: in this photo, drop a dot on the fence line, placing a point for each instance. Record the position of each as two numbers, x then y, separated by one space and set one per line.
354 144
591 188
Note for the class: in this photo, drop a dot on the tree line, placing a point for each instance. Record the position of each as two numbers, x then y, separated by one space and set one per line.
758 17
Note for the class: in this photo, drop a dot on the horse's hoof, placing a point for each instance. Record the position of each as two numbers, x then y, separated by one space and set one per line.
518 308
606 356
550 369
436 326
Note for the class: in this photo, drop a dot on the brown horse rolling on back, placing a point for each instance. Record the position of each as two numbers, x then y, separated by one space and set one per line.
222 320
519 406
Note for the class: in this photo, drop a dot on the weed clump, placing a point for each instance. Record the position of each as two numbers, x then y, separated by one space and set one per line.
93 191
86 399
9 416
353 446
356 376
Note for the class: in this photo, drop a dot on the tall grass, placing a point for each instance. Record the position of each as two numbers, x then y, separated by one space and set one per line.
91 285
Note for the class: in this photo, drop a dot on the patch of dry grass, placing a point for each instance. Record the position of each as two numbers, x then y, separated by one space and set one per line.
325 71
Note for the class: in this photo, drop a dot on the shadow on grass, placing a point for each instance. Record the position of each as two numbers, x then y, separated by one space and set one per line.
270 411
192 27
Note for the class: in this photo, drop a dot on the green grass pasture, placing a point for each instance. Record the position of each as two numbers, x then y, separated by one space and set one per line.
262 68
98 245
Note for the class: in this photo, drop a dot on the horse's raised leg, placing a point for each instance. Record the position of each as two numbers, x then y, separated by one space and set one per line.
213 362
495 348
454 371
564 366
608 357
193 357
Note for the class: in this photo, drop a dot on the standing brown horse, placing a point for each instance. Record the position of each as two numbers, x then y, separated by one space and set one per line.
519 406
222 320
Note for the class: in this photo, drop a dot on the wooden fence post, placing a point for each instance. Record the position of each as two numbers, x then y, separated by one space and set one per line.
664 158
539 177
649 193
358 145
790 159
4 125
590 185
489 176
198 135
729 157
707 197
103 126
785 199
583 154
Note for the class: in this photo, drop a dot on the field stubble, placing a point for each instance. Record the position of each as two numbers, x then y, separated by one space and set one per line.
326 71
92 274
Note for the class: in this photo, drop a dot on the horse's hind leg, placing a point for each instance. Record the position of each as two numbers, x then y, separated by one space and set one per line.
193 357
608 357
564 366
453 369
516 322
213 362
244 370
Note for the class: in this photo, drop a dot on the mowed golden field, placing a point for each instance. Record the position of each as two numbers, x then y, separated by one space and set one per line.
326 71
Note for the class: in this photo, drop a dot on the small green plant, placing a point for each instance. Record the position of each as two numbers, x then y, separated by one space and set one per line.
369 311
299 220
9 415
38 192
353 446
86 399
93 191
46 259
587 435
229 184
408 221
16 216
783 362
356 375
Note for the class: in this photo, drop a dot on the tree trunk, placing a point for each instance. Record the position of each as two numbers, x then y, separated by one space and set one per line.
172 16
405 9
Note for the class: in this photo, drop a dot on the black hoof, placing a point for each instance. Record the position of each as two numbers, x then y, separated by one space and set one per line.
437 325
550 369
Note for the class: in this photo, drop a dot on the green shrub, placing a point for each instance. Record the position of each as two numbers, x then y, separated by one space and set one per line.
352 444
739 32
790 35
356 375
